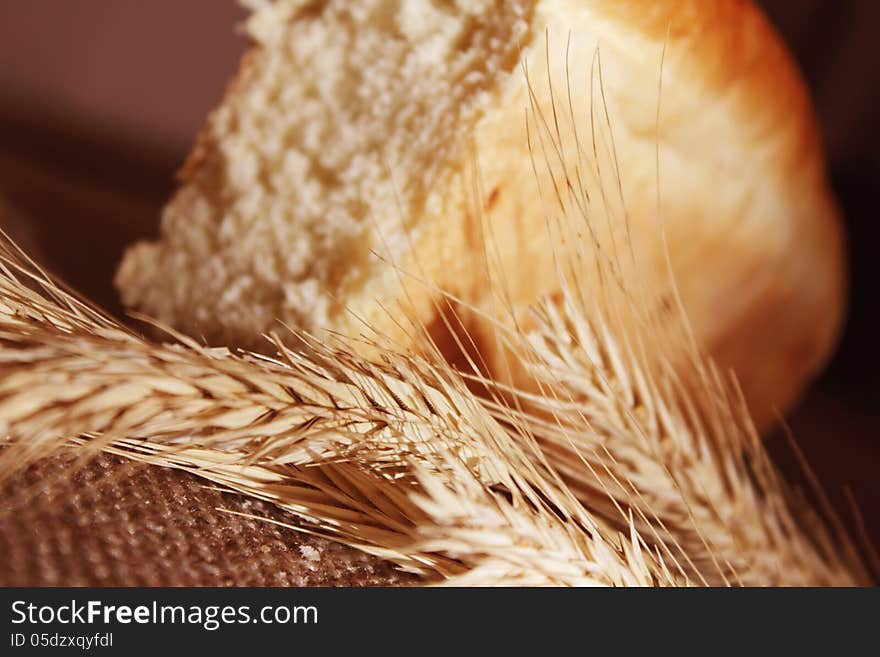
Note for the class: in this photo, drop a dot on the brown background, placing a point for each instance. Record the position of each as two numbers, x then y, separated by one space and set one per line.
100 100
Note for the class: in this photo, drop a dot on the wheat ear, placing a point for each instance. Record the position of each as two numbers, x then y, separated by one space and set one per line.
630 412
399 460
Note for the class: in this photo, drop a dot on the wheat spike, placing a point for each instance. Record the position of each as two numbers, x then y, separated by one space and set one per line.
635 418
399 460
687 460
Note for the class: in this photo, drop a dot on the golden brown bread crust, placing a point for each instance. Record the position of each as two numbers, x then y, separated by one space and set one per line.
753 230
762 279
738 53
735 50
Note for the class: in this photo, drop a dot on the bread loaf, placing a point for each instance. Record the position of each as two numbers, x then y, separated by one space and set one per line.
360 134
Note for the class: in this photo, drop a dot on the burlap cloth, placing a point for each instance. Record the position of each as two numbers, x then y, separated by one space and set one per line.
115 523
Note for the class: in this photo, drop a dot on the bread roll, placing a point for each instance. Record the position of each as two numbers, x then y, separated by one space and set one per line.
407 128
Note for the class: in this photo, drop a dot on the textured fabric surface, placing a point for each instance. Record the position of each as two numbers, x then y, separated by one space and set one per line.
116 523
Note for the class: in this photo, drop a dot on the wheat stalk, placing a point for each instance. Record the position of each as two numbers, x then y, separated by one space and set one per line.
399 460
686 460
629 411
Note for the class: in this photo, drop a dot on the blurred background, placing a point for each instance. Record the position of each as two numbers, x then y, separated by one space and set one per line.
100 101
